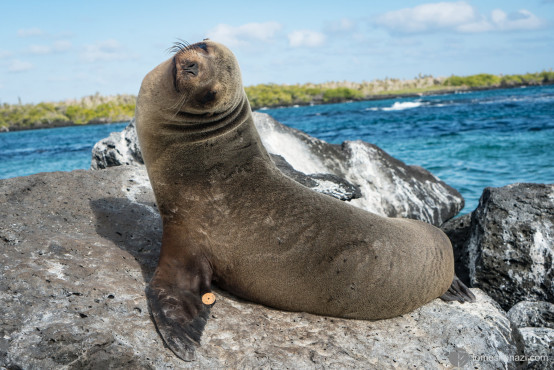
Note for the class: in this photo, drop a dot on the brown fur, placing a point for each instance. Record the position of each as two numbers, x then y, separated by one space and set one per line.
231 216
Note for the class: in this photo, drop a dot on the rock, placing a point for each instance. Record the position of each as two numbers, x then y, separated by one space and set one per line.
324 183
77 249
535 321
458 231
511 245
386 185
539 347
532 314
120 148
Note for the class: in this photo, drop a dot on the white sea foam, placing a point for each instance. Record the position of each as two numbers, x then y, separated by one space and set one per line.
404 105
296 152
399 106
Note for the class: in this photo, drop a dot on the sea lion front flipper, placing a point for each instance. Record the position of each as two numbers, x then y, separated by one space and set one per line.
458 292
175 297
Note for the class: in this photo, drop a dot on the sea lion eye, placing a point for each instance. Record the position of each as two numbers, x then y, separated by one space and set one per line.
201 45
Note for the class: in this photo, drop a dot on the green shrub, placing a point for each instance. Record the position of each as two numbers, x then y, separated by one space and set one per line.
341 94
479 80
88 109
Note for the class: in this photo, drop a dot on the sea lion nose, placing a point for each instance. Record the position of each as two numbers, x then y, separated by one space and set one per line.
191 68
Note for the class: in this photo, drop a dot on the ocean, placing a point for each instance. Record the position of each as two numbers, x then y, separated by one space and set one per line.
470 140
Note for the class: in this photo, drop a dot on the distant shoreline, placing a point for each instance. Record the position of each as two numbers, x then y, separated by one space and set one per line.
58 125
406 95
313 101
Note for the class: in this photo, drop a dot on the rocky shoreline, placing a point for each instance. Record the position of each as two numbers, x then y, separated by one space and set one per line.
79 247
455 90
56 124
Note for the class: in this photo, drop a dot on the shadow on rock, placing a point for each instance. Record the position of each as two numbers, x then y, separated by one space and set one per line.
133 227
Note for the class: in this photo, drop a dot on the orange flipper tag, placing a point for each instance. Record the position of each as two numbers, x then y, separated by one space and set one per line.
208 299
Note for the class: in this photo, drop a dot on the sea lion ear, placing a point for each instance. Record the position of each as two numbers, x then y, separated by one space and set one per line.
206 39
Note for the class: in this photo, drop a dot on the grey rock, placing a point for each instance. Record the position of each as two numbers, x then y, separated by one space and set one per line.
76 251
535 321
324 183
511 246
385 185
539 347
532 314
120 148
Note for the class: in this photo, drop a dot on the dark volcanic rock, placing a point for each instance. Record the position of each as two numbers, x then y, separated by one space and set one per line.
458 231
511 249
506 246
76 251
357 171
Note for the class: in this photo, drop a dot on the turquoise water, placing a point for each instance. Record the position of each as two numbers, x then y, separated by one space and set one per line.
470 140
53 149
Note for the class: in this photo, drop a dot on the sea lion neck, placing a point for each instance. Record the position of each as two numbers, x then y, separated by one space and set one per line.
190 127
190 153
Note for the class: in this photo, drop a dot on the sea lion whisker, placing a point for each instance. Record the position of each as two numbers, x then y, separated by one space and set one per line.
179 46
178 104
183 102
182 46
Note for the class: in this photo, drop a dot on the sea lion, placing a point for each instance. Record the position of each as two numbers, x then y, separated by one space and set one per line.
231 217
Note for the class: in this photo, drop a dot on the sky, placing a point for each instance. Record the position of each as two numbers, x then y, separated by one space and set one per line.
58 50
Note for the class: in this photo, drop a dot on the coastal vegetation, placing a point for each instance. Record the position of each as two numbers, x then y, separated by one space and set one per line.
90 109
101 109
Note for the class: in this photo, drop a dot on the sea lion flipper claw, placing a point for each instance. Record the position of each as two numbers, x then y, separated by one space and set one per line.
180 316
458 292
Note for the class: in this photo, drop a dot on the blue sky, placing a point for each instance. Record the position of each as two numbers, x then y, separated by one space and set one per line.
57 50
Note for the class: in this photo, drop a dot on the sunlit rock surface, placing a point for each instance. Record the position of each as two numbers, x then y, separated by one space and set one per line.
78 248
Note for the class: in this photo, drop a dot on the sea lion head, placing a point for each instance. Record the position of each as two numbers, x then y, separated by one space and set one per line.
198 83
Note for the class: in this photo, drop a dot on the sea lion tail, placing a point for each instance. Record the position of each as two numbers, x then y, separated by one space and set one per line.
180 316
458 292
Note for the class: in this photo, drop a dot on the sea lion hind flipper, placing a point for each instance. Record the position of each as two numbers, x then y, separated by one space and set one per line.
458 292
179 315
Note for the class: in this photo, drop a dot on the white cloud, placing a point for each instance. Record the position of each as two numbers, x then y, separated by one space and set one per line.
39 49
242 35
104 51
455 16
520 20
5 54
62 45
342 25
306 38
57 47
19 66
426 17
28 32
